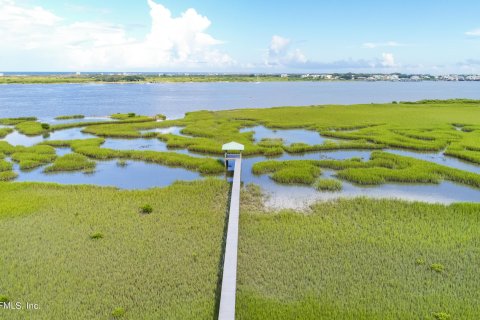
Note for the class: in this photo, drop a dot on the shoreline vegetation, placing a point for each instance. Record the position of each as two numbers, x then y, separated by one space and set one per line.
116 78
181 78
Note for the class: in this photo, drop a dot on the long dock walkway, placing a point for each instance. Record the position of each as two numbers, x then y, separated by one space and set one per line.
229 279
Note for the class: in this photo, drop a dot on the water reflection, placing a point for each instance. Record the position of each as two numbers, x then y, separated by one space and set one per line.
169 130
54 121
299 196
140 144
16 138
135 175
288 136
438 158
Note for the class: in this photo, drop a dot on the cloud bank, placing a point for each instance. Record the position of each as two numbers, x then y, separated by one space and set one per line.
172 42
280 54
473 33
373 45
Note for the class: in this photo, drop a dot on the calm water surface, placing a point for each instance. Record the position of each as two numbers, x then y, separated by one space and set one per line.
288 136
174 99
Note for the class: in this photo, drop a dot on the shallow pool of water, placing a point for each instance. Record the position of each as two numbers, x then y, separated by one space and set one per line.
288 136
439 158
296 197
140 144
16 138
169 130
135 175
54 121
299 196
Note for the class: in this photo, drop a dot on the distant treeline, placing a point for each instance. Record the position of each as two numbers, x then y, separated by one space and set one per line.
446 101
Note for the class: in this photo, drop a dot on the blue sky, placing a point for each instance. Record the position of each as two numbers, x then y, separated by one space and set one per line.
245 36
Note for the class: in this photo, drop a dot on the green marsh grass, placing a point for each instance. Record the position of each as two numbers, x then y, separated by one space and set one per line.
32 157
5 131
68 117
14 121
32 128
7 175
118 313
323 184
382 168
92 149
146 209
5 165
96 236
71 162
154 266
355 259
6 171
423 126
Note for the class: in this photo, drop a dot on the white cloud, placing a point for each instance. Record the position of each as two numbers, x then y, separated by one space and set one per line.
280 55
388 60
373 45
278 45
473 33
180 42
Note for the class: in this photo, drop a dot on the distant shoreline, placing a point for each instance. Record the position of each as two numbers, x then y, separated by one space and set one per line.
145 78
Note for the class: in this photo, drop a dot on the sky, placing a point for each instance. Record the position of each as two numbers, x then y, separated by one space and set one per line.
422 36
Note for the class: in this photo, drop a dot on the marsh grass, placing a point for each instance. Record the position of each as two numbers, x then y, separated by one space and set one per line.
271 142
68 117
32 128
96 236
143 263
425 126
5 165
6 171
118 313
14 121
352 259
332 185
8 175
437 267
31 157
441 316
289 172
146 209
92 149
71 162
5 131
382 168
329 145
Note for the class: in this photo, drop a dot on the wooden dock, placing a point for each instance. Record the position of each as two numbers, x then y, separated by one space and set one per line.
229 279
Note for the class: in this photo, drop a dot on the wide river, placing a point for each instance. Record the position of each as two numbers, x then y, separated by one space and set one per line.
174 99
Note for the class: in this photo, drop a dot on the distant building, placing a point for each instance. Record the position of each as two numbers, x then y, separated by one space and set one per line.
284 75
